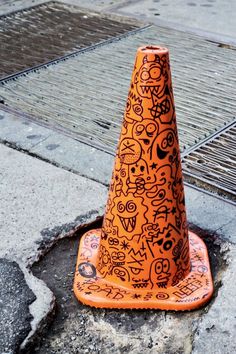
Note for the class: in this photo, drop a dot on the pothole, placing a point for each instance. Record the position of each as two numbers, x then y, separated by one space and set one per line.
81 329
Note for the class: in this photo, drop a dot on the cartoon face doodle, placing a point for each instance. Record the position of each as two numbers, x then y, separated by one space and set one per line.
129 151
159 272
87 270
145 132
165 241
163 108
164 146
118 258
134 109
164 150
127 209
138 170
149 79
121 273
140 283
113 242
104 261
139 179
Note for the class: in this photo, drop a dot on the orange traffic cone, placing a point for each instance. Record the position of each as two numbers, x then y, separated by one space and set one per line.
144 256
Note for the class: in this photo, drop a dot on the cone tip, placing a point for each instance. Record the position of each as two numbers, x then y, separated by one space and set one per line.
153 49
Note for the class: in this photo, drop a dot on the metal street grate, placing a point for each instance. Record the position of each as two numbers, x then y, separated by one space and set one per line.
213 164
45 32
85 95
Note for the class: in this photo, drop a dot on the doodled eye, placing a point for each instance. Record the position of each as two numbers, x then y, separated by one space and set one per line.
133 169
113 241
142 168
165 265
139 129
120 256
138 109
167 245
158 267
114 256
135 270
145 75
128 105
120 273
151 128
161 194
155 72
120 207
130 206
170 139
105 259
164 143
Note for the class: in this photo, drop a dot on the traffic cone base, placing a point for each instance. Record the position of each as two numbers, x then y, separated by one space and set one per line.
187 293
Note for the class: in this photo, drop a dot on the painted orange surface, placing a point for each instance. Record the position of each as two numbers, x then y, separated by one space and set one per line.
144 256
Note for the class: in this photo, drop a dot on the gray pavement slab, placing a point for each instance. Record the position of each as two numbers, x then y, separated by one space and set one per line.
15 298
39 204
21 132
76 156
36 196
53 146
216 329
8 6
214 16
211 213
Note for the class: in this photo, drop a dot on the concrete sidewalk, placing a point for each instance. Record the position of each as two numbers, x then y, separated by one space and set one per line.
49 197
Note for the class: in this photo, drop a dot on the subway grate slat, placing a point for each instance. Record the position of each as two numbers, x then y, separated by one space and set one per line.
212 165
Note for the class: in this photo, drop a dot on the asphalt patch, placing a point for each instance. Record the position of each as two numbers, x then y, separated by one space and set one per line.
15 298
